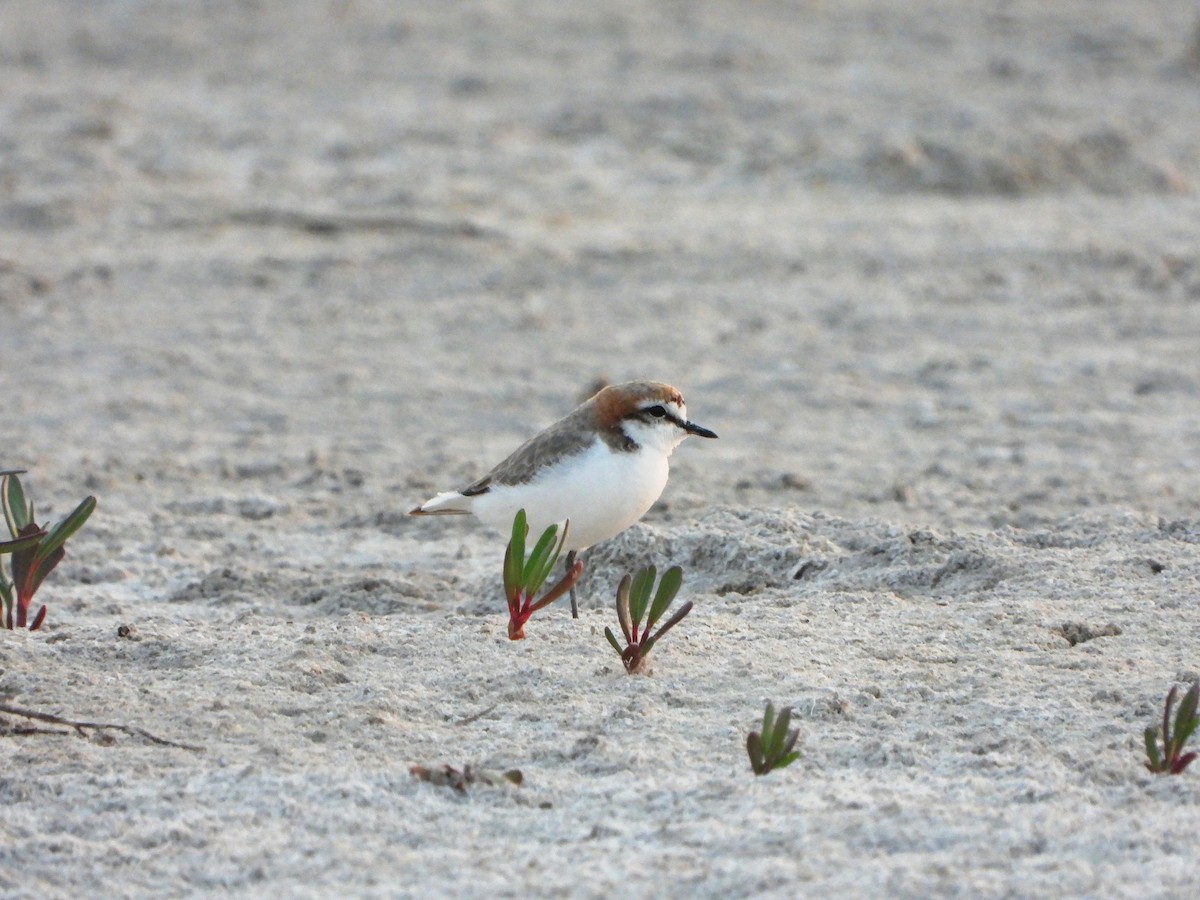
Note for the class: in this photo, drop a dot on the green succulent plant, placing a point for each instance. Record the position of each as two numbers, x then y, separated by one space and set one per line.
1171 760
35 549
772 748
524 577
634 603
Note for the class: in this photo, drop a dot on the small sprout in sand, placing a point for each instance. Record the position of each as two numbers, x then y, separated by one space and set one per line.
523 578
448 776
633 601
35 550
1171 760
773 747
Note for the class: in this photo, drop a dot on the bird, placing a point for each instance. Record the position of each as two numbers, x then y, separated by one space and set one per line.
601 467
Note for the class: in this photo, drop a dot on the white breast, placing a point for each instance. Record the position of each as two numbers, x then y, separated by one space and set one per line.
601 491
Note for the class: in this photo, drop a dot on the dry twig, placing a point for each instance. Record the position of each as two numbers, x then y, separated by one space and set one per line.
81 728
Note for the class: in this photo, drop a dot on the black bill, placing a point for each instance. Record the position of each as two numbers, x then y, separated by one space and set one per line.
698 430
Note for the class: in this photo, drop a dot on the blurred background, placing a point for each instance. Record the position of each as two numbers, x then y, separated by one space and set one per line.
271 273
935 263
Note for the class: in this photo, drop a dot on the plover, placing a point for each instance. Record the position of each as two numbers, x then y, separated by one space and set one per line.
602 467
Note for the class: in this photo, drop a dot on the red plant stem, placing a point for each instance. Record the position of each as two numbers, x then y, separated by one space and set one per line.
518 614
25 593
520 609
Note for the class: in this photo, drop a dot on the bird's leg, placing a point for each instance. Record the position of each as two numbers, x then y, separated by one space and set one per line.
574 599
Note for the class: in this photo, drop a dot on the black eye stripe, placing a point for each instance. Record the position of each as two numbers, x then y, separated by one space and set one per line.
657 413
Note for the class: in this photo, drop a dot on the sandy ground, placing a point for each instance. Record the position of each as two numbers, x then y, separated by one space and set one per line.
271 273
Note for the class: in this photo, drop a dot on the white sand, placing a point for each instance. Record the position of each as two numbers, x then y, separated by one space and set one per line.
272 273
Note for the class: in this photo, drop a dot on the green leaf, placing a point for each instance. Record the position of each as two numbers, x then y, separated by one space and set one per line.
58 533
1185 719
21 543
511 585
544 557
780 735
519 533
667 589
535 568
514 556
1183 733
768 723
623 607
612 639
17 510
1166 723
45 565
1155 764
555 552
786 761
791 740
1191 700
639 594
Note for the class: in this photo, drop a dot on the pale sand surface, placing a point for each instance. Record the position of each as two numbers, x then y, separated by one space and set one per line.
271 273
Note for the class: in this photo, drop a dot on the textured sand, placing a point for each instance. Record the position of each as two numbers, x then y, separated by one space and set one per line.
272 273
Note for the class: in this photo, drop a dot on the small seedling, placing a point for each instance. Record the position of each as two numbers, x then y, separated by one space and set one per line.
633 601
523 578
772 749
35 549
1171 760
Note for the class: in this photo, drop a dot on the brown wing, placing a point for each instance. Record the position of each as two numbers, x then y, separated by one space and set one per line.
482 486
564 437
561 439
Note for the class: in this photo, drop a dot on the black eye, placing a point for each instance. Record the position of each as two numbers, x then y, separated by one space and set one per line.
657 411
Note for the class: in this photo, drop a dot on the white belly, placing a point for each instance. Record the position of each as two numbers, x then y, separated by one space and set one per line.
600 491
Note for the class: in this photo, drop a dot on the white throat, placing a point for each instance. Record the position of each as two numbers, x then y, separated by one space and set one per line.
660 436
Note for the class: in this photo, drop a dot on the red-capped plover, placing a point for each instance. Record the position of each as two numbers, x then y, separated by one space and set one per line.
601 467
